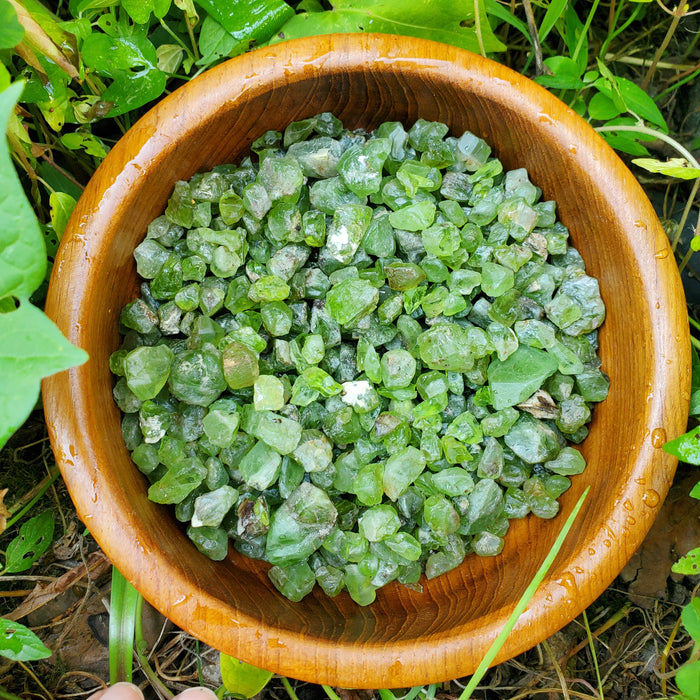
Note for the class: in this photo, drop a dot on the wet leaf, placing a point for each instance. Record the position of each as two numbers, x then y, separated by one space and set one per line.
439 20
19 643
249 20
132 64
241 678
686 447
61 208
34 538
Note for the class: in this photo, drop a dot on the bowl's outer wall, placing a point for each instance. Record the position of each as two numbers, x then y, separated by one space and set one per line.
405 638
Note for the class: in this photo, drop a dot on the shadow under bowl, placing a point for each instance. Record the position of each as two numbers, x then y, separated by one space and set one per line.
405 638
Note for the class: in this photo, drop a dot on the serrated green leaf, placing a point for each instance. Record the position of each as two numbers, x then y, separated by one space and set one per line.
132 64
34 538
673 167
11 31
240 678
687 679
686 447
62 205
31 347
22 253
689 565
19 643
440 20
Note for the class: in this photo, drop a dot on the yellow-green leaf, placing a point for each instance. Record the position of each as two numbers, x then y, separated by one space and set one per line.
673 167
241 678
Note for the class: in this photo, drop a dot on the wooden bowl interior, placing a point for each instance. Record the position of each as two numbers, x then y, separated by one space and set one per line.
405 638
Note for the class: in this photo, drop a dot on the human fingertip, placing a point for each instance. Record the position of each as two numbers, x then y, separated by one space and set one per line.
198 693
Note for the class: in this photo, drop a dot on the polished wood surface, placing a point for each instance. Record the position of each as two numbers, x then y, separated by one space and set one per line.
405 638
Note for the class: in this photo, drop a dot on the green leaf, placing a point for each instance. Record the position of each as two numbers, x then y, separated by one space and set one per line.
602 107
554 12
22 253
80 140
673 167
11 31
62 205
215 42
249 20
169 57
132 63
440 20
124 605
566 74
688 680
140 10
240 678
31 347
639 103
495 9
689 565
686 447
573 33
19 643
34 538
695 491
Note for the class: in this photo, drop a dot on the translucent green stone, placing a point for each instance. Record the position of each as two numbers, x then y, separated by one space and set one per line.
359 586
472 151
344 235
351 300
268 393
221 427
294 582
413 217
401 470
533 440
196 376
314 451
178 481
299 525
239 365
281 433
378 522
210 541
211 507
260 466
147 369
446 346
360 167
398 368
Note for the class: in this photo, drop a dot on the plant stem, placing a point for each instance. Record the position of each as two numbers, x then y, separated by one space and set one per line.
477 25
330 692
524 600
288 687
677 14
140 645
43 486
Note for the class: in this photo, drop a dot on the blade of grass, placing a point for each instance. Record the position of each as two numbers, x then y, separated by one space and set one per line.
524 601
123 606
593 654
141 647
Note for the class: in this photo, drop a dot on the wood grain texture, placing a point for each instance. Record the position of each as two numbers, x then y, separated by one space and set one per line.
405 638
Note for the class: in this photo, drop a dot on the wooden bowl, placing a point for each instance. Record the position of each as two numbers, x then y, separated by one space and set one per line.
405 638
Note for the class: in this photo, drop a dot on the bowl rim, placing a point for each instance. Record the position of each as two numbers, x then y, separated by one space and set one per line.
64 390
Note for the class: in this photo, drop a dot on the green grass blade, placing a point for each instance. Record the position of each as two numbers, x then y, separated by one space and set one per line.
523 602
124 604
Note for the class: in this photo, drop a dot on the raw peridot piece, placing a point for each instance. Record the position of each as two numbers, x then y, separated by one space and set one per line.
398 368
281 433
299 525
314 452
378 522
401 470
413 217
211 541
210 508
240 365
221 427
569 461
260 467
441 240
178 481
351 300
533 440
343 236
147 369
361 395
268 393
196 376
403 276
446 346
268 288
496 279
519 376
360 167
294 582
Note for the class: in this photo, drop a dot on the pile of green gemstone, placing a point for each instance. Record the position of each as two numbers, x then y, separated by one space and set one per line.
359 357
